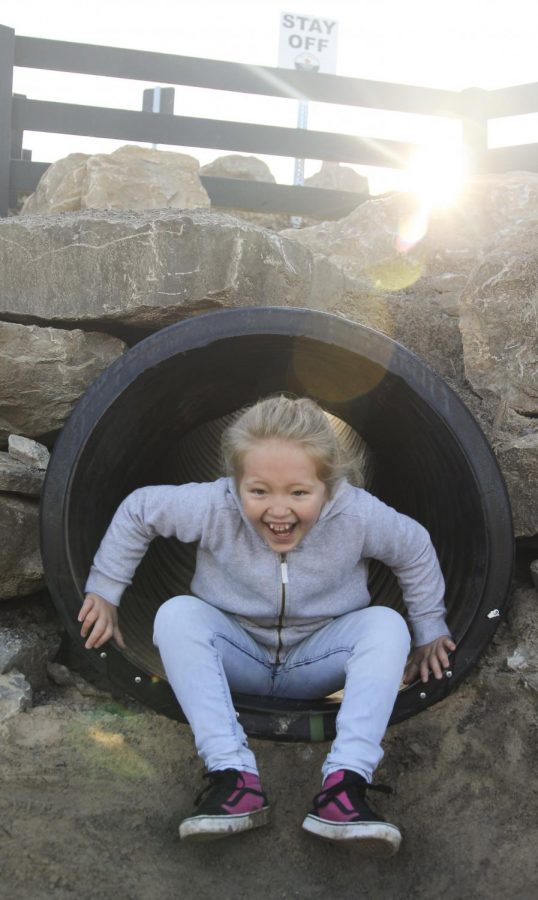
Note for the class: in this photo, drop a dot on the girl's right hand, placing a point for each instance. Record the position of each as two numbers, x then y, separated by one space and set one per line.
101 617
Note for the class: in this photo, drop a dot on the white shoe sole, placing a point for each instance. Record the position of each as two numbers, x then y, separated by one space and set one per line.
372 838
211 828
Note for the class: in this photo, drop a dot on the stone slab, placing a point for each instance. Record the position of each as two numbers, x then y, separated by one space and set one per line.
150 269
18 478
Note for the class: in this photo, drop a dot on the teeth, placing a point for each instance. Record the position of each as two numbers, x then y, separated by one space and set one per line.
280 529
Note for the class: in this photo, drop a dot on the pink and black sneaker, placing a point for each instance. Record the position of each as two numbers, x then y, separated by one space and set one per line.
234 802
341 814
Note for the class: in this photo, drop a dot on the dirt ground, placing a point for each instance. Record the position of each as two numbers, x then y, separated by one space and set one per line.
93 789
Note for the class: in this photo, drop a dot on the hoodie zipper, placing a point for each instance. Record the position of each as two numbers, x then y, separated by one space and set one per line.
283 582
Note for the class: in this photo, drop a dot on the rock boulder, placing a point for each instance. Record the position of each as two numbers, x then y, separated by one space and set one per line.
338 178
15 695
150 269
246 168
518 459
29 650
131 177
44 371
21 569
234 165
15 477
61 187
499 323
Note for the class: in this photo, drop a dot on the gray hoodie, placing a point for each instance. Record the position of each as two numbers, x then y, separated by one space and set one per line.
325 575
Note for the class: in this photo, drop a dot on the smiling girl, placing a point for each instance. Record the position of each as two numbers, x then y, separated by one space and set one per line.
280 607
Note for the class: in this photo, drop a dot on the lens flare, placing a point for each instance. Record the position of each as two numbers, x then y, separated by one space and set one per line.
435 178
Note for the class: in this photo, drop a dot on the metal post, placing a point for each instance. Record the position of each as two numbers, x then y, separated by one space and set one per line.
7 57
474 128
158 100
156 106
17 137
298 173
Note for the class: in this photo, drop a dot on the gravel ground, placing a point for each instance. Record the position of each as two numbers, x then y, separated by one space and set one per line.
93 789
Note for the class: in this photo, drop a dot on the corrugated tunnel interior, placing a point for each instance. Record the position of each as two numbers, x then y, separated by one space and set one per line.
156 416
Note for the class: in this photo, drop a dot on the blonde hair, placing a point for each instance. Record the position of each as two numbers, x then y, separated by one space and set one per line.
288 419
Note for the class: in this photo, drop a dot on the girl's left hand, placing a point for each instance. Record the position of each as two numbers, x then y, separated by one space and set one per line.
432 657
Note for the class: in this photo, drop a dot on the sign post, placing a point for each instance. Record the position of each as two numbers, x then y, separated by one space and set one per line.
158 100
307 43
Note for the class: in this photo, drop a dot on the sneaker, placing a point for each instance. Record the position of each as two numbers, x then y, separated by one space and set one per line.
234 802
341 814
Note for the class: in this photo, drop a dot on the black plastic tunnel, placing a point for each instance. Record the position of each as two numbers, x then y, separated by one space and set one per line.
156 415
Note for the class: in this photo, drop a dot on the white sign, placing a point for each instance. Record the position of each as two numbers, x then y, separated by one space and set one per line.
307 43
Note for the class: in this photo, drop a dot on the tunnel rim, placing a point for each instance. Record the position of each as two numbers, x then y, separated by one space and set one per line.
288 322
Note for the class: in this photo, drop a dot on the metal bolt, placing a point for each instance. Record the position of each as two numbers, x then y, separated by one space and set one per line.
138 679
422 695
448 673
103 654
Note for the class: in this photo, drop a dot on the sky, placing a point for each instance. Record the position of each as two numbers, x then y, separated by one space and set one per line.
451 45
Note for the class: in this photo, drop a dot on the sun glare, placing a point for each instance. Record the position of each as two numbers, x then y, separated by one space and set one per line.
436 174
435 177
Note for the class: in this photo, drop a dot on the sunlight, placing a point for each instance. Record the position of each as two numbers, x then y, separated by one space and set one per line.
435 177
109 750
106 739
436 174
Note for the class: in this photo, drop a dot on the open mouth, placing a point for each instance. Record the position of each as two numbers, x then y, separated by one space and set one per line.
281 529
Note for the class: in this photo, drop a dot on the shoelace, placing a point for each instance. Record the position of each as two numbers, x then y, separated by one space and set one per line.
226 779
353 785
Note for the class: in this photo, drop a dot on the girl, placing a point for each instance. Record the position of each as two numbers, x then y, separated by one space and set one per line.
280 607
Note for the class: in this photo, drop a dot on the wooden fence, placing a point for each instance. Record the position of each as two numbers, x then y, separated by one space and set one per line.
474 107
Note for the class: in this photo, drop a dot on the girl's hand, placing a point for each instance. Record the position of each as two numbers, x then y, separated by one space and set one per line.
101 617
432 657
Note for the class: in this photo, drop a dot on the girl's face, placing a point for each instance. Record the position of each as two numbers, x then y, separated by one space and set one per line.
281 492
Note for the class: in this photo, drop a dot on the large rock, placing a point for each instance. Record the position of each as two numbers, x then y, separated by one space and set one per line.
395 241
499 322
335 177
246 168
61 187
29 650
18 478
233 165
131 177
44 371
21 569
28 452
363 243
518 458
514 441
494 203
151 269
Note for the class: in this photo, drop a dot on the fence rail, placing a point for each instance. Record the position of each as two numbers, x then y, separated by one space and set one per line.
474 107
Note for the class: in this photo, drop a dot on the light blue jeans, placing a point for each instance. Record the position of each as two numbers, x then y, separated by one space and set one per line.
206 654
